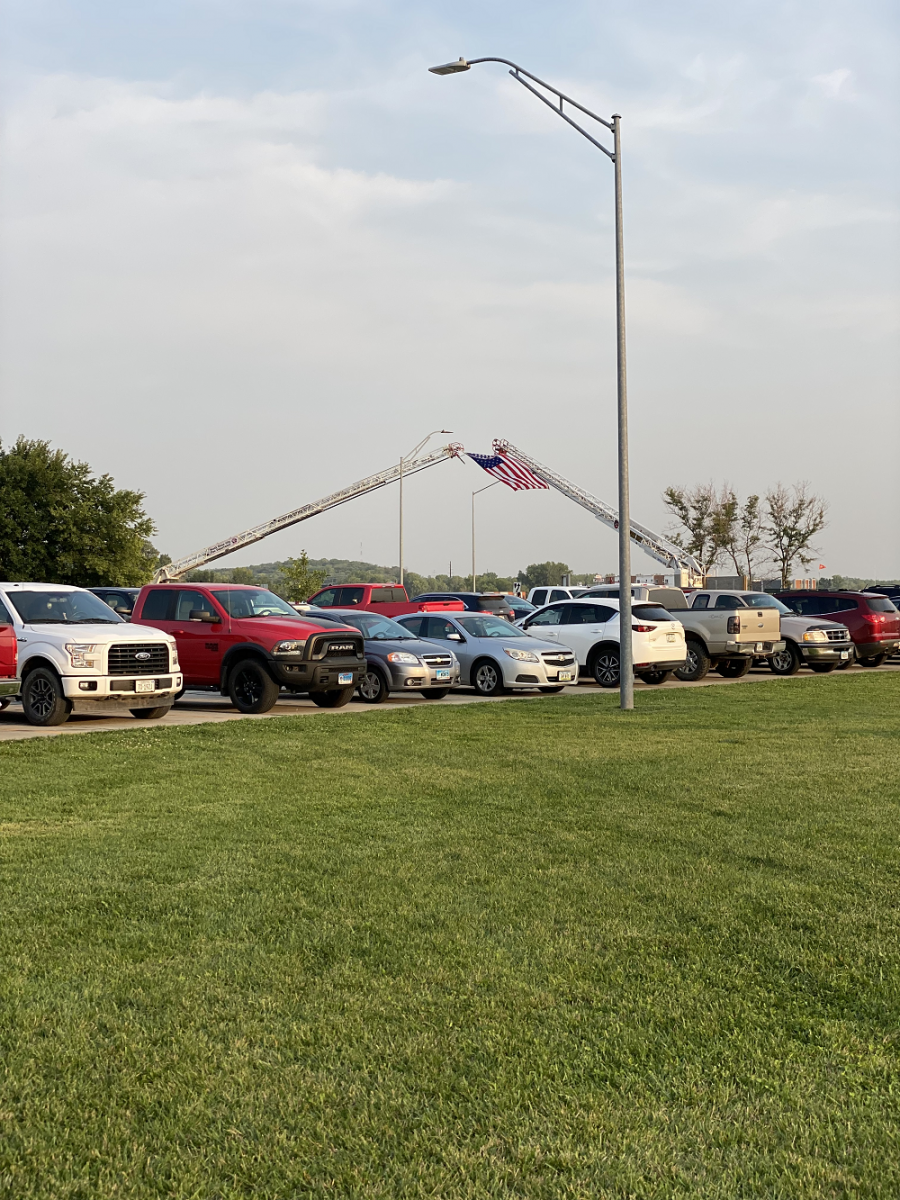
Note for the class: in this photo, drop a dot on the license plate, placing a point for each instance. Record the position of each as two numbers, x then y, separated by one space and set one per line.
441 673
671 637
759 647
566 676
145 685
345 677
845 654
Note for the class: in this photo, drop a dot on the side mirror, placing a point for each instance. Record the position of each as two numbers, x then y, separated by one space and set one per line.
455 637
208 618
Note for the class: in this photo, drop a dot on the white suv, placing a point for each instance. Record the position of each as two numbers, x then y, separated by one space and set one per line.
77 655
590 628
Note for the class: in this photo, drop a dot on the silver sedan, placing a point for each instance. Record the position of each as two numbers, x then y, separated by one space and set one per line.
494 655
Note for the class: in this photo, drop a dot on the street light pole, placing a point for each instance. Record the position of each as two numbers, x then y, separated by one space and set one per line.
626 650
403 460
474 494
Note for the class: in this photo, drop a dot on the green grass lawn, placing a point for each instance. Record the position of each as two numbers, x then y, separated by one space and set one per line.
533 949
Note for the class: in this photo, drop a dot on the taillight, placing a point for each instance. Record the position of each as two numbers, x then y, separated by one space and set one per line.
734 624
643 628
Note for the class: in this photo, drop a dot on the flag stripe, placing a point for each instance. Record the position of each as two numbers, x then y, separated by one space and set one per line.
509 471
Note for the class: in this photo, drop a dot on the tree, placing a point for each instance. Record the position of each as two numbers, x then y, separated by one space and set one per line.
793 518
60 524
545 574
298 581
744 536
704 517
244 575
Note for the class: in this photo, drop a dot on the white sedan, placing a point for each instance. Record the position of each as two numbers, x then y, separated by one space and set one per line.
590 628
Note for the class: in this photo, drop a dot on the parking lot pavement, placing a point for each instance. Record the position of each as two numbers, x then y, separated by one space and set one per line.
204 708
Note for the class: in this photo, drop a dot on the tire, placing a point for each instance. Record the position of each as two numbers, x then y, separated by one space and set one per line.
786 661
822 668
551 691
435 693
487 678
734 668
372 688
251 688
42 698
848 662
335 699
656 677
874 660
696 665
150 714
605 667
5 702
178 695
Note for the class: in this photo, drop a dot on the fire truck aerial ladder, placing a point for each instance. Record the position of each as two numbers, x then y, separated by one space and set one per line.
174 570
657 547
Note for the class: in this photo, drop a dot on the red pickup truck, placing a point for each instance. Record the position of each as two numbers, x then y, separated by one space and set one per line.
9 658
248 644
389 599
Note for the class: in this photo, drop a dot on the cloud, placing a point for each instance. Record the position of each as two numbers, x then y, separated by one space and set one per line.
833 83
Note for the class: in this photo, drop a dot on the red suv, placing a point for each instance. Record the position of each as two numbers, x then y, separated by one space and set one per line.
248 643
873 621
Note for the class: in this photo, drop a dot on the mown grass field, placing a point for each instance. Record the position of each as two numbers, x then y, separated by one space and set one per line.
514 950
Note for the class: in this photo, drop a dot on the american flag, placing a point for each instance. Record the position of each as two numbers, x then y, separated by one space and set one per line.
509 471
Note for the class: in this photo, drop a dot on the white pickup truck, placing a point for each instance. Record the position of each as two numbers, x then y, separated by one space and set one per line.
77 655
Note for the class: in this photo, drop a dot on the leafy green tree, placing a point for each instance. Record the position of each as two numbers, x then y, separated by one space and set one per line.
743 535
705 516
793 518
545 574
298 581
242 575
61 524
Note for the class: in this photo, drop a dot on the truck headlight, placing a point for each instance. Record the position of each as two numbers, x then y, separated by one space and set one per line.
520 655
815 635
84 654
289 647
173 658
401 656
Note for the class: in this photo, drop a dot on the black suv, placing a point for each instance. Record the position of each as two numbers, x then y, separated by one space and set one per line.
489 602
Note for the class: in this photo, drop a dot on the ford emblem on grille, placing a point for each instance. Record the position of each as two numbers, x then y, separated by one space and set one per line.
143 655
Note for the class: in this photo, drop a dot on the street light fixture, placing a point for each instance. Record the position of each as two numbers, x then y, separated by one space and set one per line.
403 460
626 663
474 494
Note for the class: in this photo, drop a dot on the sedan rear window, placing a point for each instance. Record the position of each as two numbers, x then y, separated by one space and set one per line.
651 612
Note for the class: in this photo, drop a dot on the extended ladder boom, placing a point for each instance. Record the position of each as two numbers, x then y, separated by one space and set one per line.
191 562
657 547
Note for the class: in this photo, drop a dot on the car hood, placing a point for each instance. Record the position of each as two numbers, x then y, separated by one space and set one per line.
525 643
99 634
418 646
287 627
798 625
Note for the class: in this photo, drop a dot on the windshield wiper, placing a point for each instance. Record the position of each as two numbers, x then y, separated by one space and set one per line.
94 621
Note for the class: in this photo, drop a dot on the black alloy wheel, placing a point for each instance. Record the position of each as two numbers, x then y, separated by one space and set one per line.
696 663
151 714
874 660
786 661
435 693
251 688
373 687
43 700
734 668
605 668
655 677
487 678
335 699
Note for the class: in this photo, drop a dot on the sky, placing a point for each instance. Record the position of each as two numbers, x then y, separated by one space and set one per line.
252 251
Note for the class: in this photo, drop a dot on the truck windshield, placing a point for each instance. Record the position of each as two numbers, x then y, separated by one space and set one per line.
254 602
760 600
63 608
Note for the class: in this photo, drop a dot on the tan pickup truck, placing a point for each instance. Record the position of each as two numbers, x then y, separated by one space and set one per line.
720 631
